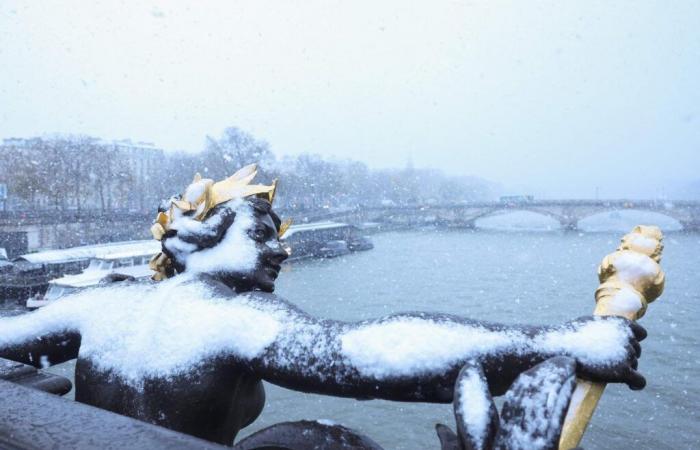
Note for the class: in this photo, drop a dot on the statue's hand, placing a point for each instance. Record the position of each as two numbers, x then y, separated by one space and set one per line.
606 348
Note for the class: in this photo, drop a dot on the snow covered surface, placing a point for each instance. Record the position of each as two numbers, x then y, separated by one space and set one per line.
327 422
194 191
626 302
542 397
324 225
631 266
641 241
89 251
600 342
304 346
474 404
151 331
406 346
147 248
409 345
93 277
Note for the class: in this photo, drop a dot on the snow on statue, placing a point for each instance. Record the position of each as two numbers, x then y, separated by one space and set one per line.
189 352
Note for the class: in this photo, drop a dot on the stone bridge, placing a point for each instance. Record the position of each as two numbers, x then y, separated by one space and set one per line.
55 229
464 215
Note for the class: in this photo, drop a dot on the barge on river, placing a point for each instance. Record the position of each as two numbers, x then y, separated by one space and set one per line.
325 240
28 275
132 264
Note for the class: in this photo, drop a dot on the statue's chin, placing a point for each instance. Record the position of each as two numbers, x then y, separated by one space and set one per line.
266 287
264 280
246 282
240 287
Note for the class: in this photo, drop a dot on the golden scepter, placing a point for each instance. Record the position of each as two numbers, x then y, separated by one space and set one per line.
630 279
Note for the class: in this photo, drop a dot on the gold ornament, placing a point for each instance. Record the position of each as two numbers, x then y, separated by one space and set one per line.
284 226
162 265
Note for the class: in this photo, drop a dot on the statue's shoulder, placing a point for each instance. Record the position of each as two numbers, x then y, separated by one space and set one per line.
211 285
269 298
274 302
219 289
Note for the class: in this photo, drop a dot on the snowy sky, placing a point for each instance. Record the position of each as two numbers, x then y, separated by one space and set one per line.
550 98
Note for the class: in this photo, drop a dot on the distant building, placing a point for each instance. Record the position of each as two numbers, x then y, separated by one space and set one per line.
145 161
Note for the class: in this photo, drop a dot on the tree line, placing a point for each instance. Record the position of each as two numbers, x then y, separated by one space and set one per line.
82 172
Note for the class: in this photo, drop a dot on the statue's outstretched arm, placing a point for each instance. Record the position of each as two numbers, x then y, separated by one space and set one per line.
40 338
416 357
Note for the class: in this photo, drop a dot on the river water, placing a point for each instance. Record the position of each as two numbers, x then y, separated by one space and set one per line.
538 278
545 277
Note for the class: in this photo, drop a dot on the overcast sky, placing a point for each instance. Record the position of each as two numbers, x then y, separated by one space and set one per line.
550 98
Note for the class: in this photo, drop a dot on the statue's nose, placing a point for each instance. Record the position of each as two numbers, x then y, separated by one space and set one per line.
280 252
283 253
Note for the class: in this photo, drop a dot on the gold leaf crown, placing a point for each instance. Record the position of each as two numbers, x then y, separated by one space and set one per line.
200 197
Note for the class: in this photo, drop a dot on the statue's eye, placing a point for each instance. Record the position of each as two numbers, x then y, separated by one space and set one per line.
259 234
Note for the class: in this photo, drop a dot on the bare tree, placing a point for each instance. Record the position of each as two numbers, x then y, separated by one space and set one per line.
234 149
80 172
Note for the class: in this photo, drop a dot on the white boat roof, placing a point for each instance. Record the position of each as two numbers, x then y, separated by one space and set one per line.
87 252
92 277
325 225
149 248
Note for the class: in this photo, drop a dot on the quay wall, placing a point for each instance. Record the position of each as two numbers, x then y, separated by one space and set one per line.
77 232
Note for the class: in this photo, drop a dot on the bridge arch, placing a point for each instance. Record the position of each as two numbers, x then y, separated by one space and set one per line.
518 219
615 219
508 210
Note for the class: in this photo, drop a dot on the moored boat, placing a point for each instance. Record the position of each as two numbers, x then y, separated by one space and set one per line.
126 264
29 274
325 240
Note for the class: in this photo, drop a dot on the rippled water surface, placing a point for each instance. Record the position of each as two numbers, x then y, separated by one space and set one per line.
545 277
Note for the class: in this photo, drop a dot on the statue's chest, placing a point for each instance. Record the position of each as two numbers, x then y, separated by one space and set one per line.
147 338
214 396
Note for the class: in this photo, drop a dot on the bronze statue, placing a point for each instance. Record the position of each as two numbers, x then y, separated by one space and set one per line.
189 352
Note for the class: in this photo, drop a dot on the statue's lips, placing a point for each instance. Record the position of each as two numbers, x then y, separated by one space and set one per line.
273 270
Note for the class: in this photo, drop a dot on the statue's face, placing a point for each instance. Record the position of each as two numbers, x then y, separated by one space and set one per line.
241 248
270 253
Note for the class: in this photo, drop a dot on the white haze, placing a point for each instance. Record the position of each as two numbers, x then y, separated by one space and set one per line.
557 99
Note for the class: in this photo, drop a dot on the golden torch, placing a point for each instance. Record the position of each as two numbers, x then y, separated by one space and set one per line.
630 279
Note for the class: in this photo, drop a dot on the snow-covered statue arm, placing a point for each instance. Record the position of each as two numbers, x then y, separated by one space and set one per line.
42 338
416 357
